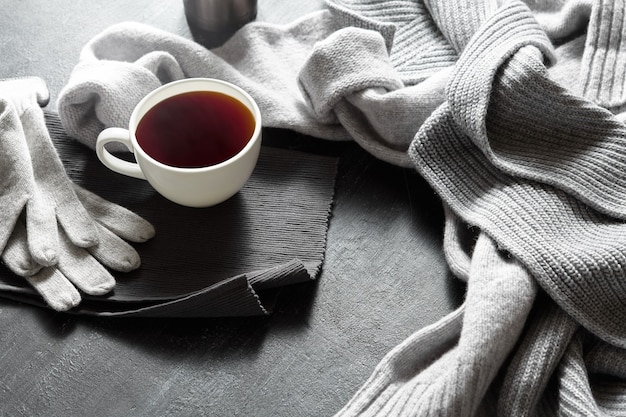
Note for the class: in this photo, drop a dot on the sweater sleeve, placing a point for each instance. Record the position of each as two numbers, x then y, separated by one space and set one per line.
122 64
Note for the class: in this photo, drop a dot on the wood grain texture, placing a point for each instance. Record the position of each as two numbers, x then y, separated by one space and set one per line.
383 277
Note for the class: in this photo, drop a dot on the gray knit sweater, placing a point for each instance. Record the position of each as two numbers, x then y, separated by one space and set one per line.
512 112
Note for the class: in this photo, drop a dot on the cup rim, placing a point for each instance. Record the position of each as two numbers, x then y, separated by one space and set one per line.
251 105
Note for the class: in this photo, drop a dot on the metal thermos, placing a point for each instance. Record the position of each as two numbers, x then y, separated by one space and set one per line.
215 16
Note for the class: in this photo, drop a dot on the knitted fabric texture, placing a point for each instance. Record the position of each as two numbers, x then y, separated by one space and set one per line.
511 112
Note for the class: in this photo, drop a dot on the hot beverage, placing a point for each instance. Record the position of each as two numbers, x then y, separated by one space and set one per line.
195 140
195 129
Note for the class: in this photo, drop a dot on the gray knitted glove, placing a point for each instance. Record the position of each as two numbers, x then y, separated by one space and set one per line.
79 268
72 236
49 192
16 176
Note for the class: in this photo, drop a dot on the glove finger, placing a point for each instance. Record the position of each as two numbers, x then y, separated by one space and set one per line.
25 92
42 237
114 217
77 224
49 282
113 252
53 182
82 269
11 208
56 290
16 176
16 255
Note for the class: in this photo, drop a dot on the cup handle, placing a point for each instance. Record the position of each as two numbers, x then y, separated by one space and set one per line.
116 134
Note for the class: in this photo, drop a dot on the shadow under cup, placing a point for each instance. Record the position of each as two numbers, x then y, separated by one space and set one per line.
196 141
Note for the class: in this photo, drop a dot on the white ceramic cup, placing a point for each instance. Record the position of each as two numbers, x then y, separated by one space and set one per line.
194 187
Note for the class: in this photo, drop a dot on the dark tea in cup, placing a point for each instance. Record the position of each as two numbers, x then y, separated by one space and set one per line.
195 129
195 140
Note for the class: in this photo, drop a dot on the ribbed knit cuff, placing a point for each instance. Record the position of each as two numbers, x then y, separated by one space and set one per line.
573 393
603 77
543 344
413 22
